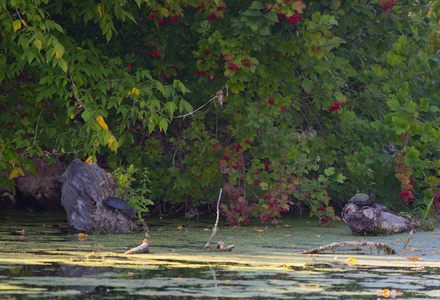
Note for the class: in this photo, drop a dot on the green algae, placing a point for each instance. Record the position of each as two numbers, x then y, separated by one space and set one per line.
265 261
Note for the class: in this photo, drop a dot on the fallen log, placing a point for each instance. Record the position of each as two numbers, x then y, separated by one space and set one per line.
379 246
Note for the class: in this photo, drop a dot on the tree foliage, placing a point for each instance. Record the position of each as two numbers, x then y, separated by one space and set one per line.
276 102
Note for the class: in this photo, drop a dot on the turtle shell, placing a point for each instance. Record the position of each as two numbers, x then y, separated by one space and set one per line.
120 205
362 199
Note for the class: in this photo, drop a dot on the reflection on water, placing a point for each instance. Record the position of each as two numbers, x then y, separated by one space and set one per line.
214 282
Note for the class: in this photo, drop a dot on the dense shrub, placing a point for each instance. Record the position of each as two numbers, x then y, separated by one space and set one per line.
275 103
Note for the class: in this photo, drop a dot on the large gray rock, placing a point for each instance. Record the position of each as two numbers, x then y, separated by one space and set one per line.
84 187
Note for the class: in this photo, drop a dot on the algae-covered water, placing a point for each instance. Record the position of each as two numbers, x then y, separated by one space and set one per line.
40 257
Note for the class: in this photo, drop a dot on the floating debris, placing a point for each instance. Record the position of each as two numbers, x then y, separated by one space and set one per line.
143 248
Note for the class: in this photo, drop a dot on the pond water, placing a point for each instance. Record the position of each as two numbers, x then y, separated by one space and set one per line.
41 258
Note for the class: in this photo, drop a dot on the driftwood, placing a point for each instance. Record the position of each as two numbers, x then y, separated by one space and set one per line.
143 248
375 219
221 246
379 246
83 190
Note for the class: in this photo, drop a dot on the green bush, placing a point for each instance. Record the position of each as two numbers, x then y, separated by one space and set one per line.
278 102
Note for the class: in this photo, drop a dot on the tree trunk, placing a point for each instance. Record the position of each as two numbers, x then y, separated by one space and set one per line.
375 219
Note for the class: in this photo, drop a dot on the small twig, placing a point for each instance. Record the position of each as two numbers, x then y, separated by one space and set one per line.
218 96
75 90
380 246
63 153
409 239
214 231
36 128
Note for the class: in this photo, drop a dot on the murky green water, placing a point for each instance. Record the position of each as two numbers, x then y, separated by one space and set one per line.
47 260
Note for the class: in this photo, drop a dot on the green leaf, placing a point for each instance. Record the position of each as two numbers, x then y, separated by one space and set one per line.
16 25
185 106
264 30
394 104
163 125
63 65
160 87
38 44
86 115
171 108
271 16
329 172
401 125
252 13
340 178
256 5
59 51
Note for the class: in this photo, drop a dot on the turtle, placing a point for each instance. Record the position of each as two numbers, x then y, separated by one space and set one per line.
120 205
362 199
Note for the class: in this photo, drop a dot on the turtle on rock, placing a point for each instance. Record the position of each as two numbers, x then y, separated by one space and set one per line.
120 205
362 199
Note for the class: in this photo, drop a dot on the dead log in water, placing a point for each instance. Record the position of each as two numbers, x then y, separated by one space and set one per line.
375 220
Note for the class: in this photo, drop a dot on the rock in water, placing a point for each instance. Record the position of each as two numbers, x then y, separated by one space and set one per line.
83 191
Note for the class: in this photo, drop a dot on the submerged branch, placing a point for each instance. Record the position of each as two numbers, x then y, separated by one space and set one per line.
214 231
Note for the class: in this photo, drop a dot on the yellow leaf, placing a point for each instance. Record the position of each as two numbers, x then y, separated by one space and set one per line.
24 23
89 161
113 143
259 230
62 150
160 128
111 140
101 246
101 122
78 48
16 172
414 258
72 116
352 259
397 240
99 11
135 91
286 265
16 25
179 227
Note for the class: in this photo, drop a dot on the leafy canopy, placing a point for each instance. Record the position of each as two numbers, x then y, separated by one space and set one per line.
278 102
